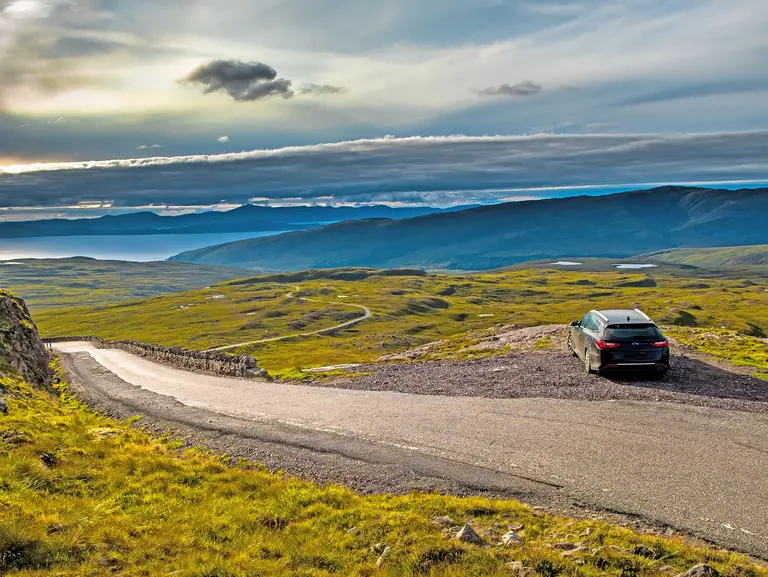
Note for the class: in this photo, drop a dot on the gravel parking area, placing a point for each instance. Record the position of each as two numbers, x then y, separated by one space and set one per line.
555 374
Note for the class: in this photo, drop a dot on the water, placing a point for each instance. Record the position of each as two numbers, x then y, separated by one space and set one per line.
636 266
140 248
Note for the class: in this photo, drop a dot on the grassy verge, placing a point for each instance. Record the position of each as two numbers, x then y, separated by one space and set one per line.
409 311
738 349
81 494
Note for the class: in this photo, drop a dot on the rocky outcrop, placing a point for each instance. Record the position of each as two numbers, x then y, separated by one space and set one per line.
21 350
208 362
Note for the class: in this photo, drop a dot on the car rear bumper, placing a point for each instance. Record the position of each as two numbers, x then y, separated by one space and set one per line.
659 363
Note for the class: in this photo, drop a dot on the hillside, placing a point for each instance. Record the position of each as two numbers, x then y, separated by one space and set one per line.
247 218
83 494
81 280
409 309
712 257
487 237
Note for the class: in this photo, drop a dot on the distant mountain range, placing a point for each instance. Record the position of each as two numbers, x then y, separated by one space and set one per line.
487 237
247 218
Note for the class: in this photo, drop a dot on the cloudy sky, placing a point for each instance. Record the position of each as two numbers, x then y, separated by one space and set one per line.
181 102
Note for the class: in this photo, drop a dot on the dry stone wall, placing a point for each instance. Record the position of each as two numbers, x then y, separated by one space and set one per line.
212 363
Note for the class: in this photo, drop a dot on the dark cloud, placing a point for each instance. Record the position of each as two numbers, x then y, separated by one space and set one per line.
321 89
425 169
243 81
527 88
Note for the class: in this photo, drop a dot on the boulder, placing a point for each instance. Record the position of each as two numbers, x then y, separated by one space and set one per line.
21 350
511 538
468 535
702 570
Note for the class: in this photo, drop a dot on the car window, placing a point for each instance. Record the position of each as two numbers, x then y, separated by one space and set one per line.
584 322
633 333
590 322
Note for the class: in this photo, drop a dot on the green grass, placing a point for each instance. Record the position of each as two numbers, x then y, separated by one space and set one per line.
713 257
737 349
76 281
409 310
81 494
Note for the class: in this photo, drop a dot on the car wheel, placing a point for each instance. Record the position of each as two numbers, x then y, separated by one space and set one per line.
587 363
570 346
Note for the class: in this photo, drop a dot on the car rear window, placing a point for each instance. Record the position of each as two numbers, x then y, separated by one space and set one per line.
632 332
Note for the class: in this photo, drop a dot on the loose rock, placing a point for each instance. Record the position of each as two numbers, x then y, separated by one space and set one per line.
511 538
702 570
469 535
3 407
383 557
576 551
442 521
564 546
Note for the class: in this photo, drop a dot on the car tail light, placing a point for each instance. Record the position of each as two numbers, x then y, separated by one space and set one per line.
660 344
607 345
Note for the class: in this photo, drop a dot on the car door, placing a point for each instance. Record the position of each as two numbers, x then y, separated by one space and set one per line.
579 341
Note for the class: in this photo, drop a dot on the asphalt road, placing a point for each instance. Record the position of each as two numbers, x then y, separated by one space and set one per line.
700 470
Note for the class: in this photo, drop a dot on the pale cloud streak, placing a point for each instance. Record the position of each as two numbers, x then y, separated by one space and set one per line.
435 170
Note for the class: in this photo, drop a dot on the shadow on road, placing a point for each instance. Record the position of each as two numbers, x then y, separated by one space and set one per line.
695 377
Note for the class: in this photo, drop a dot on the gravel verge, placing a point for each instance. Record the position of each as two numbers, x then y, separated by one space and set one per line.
556 374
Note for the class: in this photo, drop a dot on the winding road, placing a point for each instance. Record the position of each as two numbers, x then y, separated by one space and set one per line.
696 469
366 315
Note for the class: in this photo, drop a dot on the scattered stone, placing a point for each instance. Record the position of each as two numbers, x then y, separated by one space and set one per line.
702 570
511 538
587 532
49 460
55 528
517 528
442 521
352 530
576 551
469 535
3 407
644 551
520 570
383 557
564 546
104 432
16 438
378 547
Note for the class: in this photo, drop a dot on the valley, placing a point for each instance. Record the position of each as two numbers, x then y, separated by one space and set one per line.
412 308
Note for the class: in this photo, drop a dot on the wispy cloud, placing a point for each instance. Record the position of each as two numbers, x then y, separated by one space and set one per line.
417 169
321 89
526 88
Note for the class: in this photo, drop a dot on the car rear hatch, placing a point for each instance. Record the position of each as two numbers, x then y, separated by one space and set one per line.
636 343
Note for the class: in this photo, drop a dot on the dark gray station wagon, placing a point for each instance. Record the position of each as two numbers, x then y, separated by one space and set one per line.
619 340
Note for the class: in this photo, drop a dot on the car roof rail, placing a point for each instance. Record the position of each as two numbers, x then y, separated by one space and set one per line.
641 313
601 315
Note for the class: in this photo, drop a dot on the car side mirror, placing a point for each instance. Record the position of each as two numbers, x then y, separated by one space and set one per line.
575 323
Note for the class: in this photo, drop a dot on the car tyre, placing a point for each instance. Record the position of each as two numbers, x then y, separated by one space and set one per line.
660 375
570 346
